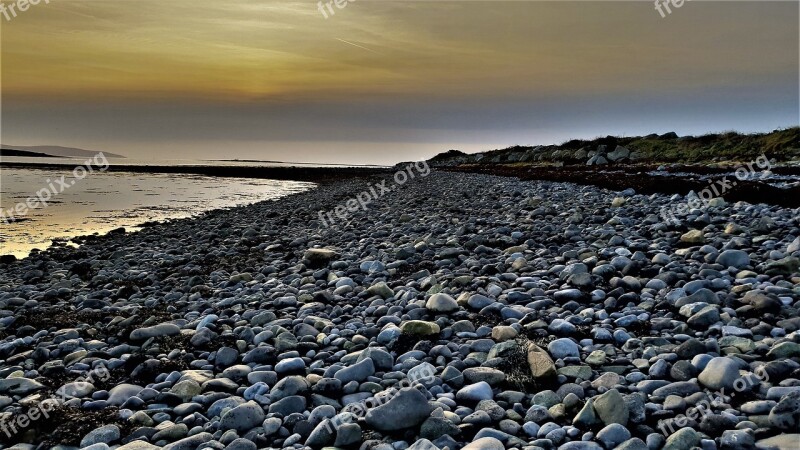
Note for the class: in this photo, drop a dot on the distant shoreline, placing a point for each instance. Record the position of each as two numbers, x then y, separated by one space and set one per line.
8 152
311 174
267 161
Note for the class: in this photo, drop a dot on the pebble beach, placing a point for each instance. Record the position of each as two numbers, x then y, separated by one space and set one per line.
459 311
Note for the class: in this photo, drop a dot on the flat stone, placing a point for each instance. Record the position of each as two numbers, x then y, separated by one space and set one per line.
582 372
189 443
738 440
290 365
441 303
704 318
784 350
347 434
734 258
288 405
105 434
19 386
610 408
486 443
539 363
613 435
243 417
580 445
776 392
693 237
719 373
121 393
487 374
683 439
162 329
478 301
502 333
781 442
419 328
381 289
359 371
407 408
587 416
138 445
677 388
475 392
563 348
186 389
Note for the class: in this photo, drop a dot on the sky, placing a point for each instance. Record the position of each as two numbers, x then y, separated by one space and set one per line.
383 81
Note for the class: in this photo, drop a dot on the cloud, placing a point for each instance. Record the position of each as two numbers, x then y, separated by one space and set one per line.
398 71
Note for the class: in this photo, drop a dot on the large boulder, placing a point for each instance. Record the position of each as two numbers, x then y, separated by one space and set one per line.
597 160
618 154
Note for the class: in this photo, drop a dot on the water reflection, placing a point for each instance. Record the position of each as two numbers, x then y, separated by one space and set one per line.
104 201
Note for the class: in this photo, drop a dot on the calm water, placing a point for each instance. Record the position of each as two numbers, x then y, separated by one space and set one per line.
103 201
174 162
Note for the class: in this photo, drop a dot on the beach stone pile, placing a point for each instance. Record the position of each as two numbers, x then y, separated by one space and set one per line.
603 155
457 311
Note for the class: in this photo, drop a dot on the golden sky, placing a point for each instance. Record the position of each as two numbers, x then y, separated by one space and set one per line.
272 78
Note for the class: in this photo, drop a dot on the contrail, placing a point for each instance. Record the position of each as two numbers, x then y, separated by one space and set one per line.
356 45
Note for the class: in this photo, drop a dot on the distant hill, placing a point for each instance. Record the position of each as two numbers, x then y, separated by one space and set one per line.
782 145
55 150
25 154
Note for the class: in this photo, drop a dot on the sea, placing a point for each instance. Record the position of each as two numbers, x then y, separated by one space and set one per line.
40 205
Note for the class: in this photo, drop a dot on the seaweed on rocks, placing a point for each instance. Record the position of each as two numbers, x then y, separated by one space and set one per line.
66 426
538 337
408 341
582 332
488 318
149 315
406 270
29 321
640 328
640 179
137 369
517 371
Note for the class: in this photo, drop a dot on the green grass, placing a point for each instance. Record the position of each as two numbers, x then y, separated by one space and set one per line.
781 144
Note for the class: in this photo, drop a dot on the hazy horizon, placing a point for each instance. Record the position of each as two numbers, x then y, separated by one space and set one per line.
386 81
